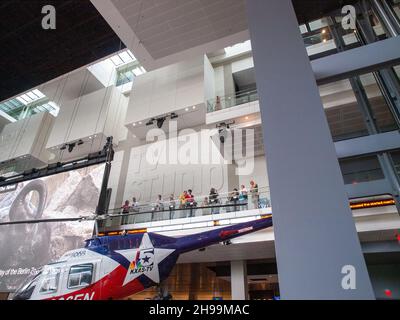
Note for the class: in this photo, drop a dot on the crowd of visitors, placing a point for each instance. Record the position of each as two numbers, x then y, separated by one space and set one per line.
186 200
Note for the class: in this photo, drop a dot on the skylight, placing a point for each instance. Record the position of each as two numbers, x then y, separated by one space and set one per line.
138 71
29 103
238 48
30 97
122 58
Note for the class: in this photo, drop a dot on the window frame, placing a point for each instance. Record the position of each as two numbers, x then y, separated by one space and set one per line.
49 274
80 285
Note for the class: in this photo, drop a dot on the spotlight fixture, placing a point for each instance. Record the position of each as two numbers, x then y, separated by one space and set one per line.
150 122
174 115
223 128
160 122
71 146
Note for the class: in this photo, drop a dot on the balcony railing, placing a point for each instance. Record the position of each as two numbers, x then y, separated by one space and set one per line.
195 207
229 101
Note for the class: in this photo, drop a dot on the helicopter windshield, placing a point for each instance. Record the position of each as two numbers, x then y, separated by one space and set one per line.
24 292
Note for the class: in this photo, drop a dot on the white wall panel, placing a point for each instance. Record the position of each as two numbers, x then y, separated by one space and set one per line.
26 138
169 89
91 118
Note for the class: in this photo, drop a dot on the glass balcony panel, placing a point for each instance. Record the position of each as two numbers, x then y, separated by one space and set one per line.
379 107
230 202
395 4
344 117
363 169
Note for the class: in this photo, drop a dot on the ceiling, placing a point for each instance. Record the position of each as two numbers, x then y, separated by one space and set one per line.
158 32
162 32
31 55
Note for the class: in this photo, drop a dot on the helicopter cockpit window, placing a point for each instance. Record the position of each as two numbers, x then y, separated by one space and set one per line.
26 289
80 275
50 281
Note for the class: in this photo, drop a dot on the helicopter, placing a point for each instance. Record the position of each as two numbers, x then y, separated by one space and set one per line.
115 267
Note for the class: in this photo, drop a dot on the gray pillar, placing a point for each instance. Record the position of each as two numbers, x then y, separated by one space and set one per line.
315 235
239 286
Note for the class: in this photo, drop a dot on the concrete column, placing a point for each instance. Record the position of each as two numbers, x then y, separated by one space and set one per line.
239 285
315 235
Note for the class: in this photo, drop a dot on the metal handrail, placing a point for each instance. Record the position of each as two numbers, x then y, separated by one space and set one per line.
252 95
199 198
191 209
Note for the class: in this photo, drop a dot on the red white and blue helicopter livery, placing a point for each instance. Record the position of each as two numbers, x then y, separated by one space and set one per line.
114 267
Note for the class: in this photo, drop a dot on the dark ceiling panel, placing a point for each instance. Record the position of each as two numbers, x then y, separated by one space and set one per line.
308 10
30 55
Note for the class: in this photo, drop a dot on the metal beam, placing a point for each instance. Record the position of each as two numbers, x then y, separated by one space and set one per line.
368 58
372 144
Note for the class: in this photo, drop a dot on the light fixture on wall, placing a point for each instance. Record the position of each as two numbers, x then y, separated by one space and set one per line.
160 121
223 128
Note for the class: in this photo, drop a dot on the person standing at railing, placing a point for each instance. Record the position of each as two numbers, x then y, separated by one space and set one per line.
125 210
159 203
135 204
213 200
235 198
255 196
158 206
204 205
217 103
182 199
190 202
243 197
190 198
171 205
125 207
134 208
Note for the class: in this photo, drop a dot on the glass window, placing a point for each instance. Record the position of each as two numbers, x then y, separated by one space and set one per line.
344 117
362 169
80 275
303 28
380 110
396 161
50 281
318 24
396 7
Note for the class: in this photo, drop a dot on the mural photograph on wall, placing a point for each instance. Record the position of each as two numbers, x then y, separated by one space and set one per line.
26 247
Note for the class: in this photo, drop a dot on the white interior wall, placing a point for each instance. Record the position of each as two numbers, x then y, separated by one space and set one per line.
209 80
71 86
145 180
219 81
259 174
167 89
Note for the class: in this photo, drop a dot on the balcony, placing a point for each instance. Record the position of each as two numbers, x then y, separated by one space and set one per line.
173 214
229 101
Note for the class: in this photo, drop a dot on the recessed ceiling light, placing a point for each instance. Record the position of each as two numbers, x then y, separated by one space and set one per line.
140 122
186 109
323 31
194 107
134 124
247 118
